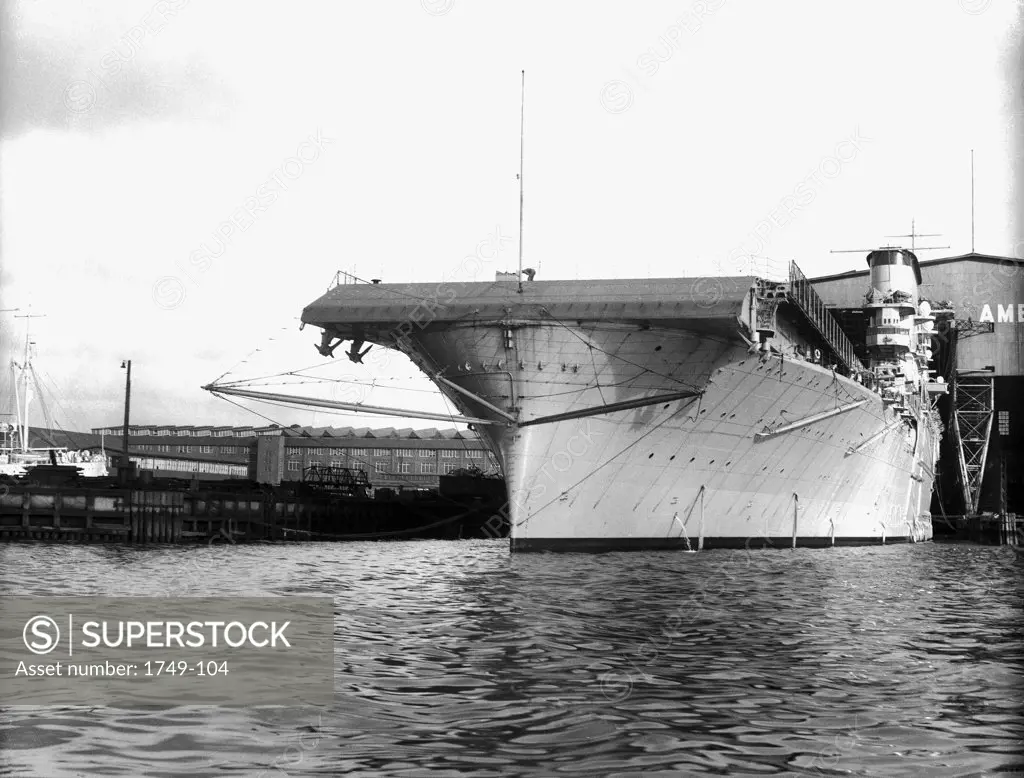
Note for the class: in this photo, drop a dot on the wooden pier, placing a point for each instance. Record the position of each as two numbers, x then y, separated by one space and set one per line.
993 529
83 512
76 514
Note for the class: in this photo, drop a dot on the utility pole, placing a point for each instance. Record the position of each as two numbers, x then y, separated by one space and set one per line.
125 460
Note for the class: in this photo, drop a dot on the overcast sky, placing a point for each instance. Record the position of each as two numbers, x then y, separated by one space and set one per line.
179 178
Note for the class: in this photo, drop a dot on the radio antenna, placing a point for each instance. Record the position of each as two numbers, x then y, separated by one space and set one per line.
522 123
972 201
914 235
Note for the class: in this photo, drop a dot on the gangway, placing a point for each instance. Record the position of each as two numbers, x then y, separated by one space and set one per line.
802 294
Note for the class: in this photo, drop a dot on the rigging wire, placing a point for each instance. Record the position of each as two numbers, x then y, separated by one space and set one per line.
597 378
246 357
448 407
56 393
274 375
615 356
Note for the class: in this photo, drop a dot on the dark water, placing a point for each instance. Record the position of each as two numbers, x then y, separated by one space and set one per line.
457 659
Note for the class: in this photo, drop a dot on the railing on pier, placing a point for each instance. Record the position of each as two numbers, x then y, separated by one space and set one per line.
802 293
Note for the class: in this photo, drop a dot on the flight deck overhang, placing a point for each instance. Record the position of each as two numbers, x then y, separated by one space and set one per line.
371 311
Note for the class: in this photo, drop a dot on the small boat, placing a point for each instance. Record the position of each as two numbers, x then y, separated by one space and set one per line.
17 454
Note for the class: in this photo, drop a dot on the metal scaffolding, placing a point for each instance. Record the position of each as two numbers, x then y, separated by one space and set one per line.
973 403
970 420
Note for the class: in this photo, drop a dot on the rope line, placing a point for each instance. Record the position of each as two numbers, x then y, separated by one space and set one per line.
615 356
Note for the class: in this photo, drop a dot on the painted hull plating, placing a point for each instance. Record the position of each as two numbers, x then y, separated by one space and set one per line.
689 473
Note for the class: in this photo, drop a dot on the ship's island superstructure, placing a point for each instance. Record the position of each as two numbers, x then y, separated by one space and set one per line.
680 412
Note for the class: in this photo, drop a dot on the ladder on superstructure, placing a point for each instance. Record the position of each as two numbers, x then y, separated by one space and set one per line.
802 294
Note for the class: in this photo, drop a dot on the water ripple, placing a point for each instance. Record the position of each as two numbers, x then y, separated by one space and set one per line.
456 658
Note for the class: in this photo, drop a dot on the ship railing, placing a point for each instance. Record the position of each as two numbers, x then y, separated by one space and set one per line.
762 267
802 293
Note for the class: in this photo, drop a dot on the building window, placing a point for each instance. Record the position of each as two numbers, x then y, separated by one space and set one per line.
293 466
163 449
229 449
428 468
380 452
184 449
335 463
404 467
475 454
357 452
1004 422
204 449
406 452
380 467
449 469
449 453
291 451
426 452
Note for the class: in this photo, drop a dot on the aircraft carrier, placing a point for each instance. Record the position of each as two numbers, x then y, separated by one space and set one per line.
680 413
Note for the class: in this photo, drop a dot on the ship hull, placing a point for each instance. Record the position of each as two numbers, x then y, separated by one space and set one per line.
669 413
699 472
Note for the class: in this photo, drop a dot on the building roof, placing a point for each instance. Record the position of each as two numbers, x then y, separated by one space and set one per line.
297 430
926 263
43 437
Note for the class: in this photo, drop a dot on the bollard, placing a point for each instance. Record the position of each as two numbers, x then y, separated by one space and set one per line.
796 514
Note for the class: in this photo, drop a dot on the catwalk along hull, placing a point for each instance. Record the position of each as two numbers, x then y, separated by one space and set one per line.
655 415
695 471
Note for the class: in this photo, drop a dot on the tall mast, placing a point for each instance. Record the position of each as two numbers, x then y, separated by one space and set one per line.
972 201
26 370
522 124
24 380
9 434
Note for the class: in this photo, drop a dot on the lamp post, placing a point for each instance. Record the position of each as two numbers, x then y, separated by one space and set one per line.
125 461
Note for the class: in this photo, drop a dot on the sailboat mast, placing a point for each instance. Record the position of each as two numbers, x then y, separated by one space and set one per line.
15 378
26 372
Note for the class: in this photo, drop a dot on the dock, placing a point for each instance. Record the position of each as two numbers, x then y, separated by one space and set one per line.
990 529
178 511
